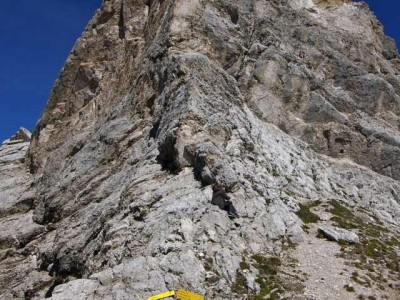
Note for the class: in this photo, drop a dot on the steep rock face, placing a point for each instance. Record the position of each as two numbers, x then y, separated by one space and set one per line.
161 106
17 230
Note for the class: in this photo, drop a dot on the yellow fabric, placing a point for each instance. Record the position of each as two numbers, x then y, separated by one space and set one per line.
162 295
185 295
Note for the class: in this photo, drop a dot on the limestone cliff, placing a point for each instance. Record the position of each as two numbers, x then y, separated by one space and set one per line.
238 149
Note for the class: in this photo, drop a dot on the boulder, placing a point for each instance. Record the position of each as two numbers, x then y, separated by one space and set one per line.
337 234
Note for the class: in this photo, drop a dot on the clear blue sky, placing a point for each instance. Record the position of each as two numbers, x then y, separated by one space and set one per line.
37 35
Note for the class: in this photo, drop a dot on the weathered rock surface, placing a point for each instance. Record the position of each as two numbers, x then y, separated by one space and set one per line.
19 269
291 107
337 234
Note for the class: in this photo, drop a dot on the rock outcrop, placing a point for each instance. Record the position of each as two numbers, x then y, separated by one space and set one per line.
18 232
201 144
339 234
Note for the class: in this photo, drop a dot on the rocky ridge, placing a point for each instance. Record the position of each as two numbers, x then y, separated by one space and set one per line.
290 107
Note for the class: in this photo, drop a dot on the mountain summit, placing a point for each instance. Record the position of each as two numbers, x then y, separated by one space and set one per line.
237 149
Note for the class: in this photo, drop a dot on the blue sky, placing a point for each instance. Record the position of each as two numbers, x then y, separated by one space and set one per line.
388 13
37 35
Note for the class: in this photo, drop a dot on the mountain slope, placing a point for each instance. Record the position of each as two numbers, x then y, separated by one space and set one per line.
205 145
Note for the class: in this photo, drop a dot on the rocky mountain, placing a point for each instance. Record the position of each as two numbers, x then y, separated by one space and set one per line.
238 149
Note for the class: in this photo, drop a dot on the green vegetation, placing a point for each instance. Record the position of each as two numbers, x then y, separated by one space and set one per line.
393 242
287 244
275 173
244 265
267 279
208 266
288 179
377 248
380 251
349 288
338 209
343 217
305 213
208 263
239 286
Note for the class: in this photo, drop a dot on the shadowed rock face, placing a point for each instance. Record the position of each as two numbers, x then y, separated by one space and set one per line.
160 104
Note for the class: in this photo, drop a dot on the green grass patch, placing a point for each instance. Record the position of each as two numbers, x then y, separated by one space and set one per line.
239 286
244 265
338 209
343 217
376 242
267 279
349 288
378 248
305 213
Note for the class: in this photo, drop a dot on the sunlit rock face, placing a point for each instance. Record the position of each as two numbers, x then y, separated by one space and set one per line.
203 145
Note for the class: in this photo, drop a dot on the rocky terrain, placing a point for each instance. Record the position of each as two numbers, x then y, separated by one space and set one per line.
238 149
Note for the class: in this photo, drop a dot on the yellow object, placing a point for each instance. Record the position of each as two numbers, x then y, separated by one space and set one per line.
185 295
162 295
